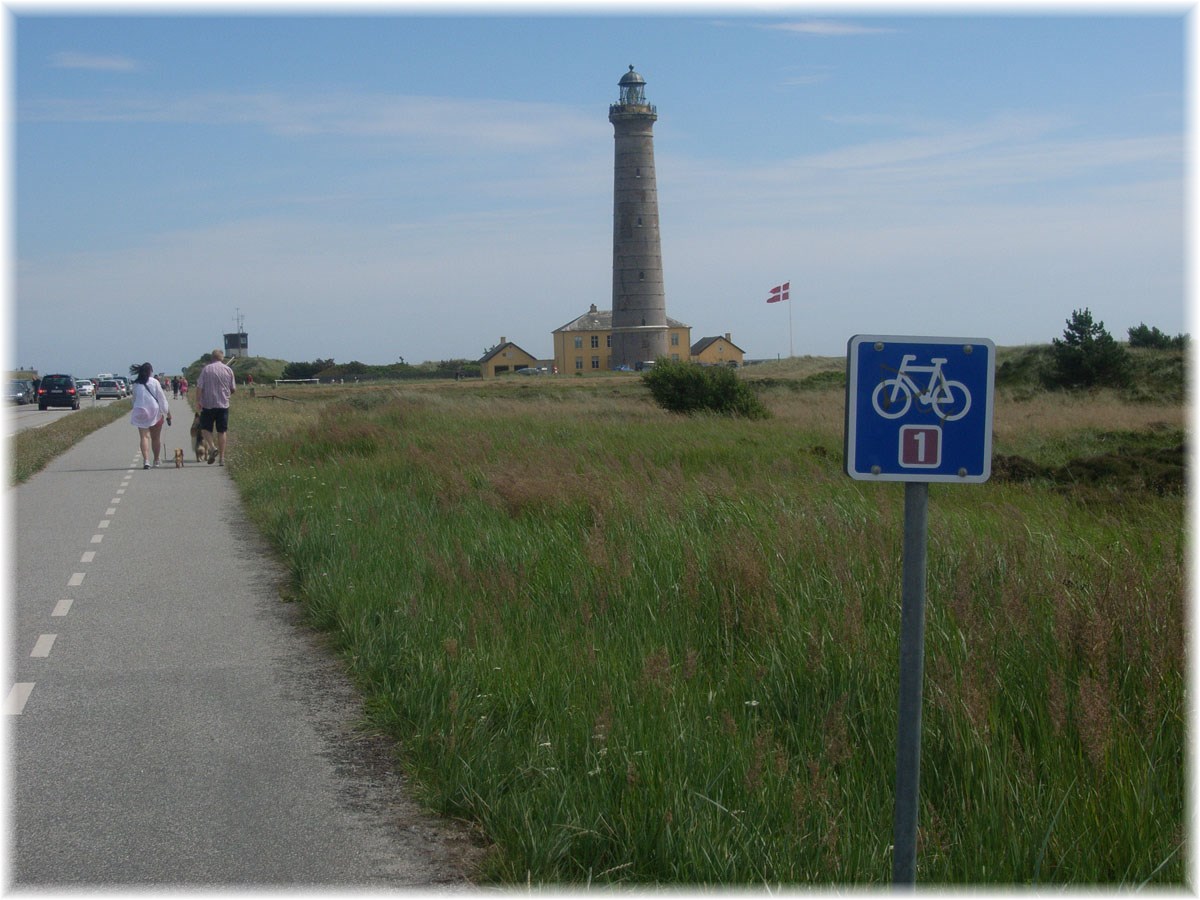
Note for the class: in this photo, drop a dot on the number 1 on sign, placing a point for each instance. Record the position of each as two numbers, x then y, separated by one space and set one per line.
920 446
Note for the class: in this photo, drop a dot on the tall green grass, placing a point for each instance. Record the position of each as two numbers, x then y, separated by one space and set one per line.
636 648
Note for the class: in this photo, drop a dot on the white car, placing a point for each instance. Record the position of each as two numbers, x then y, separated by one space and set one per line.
85 387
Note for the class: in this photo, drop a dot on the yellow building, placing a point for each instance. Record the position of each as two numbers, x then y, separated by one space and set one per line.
718 351
583 345
505 357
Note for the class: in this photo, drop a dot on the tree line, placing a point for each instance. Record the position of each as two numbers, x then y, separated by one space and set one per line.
328 369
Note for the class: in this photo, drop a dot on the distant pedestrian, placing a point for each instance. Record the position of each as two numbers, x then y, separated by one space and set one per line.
150 410
183 385
214 387
175 387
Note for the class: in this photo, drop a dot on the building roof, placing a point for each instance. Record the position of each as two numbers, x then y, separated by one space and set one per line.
504 345
704 343
601 320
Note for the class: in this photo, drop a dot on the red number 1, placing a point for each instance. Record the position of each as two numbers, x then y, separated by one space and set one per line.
920 446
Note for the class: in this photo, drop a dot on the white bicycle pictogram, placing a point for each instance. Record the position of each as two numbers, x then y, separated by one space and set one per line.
950 400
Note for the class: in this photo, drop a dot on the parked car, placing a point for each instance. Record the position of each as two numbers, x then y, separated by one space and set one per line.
58 390
20 391
109 387
86 388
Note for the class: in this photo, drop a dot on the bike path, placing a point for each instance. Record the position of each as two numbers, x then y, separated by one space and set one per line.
170 720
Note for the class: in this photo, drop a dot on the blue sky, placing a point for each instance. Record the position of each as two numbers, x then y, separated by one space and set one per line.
404 184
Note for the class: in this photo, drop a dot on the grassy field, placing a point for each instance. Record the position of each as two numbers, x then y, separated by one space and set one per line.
636 648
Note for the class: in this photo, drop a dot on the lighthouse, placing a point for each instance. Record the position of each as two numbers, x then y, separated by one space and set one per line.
639 303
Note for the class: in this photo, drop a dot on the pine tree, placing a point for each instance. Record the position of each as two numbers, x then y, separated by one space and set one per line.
1088 356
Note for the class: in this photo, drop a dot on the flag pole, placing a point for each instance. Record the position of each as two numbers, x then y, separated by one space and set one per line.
781 294
791 349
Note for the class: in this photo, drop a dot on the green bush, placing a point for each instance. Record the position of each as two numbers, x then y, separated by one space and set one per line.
1088 356
686 387
1144 336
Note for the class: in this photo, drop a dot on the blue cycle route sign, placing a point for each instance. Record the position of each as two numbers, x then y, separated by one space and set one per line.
919 408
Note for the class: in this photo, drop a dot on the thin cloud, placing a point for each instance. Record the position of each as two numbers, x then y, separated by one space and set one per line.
439 121
819 28
71 60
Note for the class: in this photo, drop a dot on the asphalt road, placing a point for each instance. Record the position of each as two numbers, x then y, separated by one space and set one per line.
171 722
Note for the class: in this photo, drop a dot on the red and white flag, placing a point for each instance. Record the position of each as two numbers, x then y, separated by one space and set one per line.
779 292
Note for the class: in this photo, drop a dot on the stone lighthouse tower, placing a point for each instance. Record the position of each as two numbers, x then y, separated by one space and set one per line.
639 304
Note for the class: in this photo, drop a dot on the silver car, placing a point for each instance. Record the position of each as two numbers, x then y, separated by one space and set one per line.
20 392
109 387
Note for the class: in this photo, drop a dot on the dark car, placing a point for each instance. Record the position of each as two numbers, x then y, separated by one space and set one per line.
20 391
58 390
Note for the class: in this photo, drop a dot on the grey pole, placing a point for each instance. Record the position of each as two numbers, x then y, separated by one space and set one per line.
912 666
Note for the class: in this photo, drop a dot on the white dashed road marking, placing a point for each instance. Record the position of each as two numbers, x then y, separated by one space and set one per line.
42 648
103 523
17 698
88 557
97 538
75 580
62 607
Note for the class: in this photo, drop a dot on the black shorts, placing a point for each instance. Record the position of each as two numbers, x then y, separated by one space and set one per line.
211 417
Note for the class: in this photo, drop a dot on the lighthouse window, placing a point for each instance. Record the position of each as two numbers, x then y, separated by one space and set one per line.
641 276
637 173
639 221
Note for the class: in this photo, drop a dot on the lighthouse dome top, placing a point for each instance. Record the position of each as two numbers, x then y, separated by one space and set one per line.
631 77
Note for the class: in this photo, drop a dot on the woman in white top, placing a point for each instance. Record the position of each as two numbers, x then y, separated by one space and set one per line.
150 410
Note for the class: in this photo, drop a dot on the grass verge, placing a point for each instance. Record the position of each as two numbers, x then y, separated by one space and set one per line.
34 448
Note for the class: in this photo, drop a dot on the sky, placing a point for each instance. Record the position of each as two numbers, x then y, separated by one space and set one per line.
418 182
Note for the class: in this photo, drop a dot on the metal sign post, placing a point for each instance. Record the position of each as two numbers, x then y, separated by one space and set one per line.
912 668
918 409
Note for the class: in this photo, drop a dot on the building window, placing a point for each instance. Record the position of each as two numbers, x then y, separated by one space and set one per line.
579 363
595 362
595 342
674 339
578 343
608 339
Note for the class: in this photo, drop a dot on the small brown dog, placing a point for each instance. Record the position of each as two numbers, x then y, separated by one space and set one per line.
179 457
198 440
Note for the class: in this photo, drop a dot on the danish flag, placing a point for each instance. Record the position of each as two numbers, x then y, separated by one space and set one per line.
779 292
